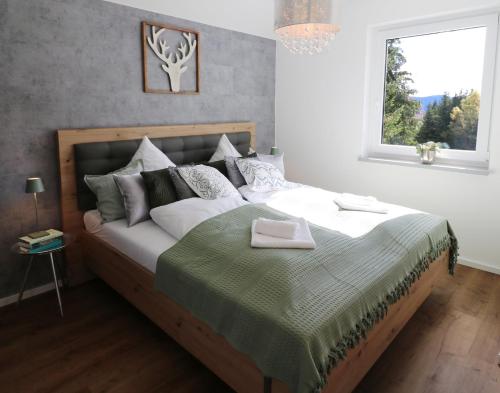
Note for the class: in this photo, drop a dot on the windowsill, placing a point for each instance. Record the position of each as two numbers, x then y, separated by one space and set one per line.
472 170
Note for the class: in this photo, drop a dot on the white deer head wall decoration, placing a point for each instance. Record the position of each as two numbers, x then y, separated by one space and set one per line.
173 68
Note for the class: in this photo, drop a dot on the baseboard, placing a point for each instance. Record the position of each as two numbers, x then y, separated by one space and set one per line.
28 293
479 265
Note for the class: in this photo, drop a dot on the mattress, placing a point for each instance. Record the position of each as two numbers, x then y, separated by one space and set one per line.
146 241
142 243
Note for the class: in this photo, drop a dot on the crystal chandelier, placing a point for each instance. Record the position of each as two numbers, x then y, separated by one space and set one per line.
306 26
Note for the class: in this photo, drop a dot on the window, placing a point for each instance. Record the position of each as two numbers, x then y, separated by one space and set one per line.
431 81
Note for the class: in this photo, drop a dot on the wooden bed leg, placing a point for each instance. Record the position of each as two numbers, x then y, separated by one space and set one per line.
268 385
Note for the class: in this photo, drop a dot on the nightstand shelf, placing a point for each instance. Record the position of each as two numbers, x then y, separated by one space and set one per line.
16 248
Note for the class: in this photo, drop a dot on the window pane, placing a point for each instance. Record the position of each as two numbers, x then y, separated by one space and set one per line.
433 88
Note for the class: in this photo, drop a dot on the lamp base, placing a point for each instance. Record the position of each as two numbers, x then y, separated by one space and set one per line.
38 235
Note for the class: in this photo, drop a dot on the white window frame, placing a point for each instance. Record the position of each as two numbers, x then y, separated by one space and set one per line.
375 87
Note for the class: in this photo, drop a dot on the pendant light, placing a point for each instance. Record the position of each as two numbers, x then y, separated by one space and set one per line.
306 26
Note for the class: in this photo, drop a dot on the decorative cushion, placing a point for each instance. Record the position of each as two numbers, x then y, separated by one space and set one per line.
219 165
224 149
276 160
233 173
152 157
182 189
207 182
261 176
109 199
159 187
135 198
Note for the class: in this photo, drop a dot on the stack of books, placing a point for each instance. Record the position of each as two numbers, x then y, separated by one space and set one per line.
33 245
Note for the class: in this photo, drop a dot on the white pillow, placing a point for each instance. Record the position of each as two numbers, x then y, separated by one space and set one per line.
224 148
178 218
276 160
261 176
207 182
152 157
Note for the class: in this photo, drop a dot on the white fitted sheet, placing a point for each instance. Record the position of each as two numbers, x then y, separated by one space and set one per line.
317 206
143 242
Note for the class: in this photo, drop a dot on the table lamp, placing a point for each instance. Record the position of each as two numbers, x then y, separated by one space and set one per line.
34 185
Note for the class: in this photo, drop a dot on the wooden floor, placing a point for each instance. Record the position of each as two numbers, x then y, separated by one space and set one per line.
104 345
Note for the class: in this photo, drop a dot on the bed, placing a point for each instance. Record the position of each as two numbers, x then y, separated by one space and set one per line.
132 274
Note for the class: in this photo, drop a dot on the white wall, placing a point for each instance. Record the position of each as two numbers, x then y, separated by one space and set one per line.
319 115
247 16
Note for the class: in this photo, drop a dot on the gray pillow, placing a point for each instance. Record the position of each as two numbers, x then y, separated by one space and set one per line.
135 198
109 199
276 160
233 173
182 189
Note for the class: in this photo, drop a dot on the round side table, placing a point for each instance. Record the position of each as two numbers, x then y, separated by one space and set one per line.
16 248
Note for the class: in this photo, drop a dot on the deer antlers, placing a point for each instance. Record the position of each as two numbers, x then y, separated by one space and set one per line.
160 48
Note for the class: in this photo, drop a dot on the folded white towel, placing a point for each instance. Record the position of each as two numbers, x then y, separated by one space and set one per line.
283 229
360 203
303 238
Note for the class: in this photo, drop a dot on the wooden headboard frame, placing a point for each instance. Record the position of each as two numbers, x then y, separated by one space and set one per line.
72 217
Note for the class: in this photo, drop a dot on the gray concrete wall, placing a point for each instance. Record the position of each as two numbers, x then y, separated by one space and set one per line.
77 63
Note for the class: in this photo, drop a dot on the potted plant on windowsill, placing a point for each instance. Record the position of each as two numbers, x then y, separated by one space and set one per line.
427 151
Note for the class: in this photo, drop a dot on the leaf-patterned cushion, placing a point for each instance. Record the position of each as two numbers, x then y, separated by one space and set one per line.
207 182
261 176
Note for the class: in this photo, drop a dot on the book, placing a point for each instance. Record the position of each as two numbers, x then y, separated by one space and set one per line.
47 246
36 245
37 235
52 234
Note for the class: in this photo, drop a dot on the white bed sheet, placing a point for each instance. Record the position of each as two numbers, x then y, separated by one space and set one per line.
143 242
318 207
146 241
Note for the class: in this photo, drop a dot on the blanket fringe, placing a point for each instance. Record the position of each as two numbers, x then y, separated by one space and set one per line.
351 339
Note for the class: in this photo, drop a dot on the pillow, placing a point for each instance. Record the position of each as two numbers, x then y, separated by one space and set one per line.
159 187
180 217
182 189
207 182
233 173
152 157
261 176
219 165
109 199
135 198
224 149
276 160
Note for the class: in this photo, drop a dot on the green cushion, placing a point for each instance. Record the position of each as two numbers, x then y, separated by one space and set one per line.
109 198
159 187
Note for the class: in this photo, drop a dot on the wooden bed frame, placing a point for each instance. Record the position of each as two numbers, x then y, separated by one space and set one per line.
135 283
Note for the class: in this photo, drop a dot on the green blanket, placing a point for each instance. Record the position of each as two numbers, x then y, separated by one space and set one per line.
297 312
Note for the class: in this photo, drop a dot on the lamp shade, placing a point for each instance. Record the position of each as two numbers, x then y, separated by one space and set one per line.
306 26
34 184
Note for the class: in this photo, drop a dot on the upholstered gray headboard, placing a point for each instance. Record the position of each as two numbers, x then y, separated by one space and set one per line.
99 158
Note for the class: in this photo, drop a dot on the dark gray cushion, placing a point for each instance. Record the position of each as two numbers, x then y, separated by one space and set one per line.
219 165
135 199
233 173
182 189
100 158
159 187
